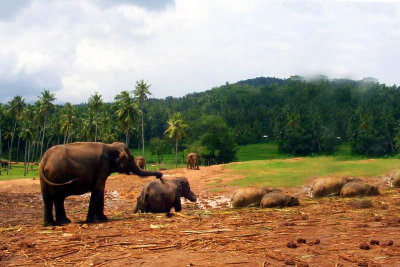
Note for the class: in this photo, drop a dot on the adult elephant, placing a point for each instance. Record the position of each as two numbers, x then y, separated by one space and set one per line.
78 168
192 161
140 162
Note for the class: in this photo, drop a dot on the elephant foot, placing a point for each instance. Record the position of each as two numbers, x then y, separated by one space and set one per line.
63 221
101 218
49 223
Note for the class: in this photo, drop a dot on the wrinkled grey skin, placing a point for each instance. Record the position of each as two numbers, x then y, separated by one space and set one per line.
278 200
245 197
160 197
77 168
330 185
356 189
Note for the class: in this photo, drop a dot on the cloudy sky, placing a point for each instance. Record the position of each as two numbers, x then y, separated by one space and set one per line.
78 47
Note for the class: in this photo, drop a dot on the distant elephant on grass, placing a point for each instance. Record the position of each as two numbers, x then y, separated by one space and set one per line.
192 161
4 163
161 197
77 168
141 162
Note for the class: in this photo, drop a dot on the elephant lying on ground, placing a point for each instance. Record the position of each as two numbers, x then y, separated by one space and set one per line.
395 179
278 199
77 168
192 161
4 163
140 162
249 196
331 185
355 189
160 197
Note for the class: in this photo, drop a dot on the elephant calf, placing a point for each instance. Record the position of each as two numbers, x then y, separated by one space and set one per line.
278 199
160 197
331 185
249 196
354 189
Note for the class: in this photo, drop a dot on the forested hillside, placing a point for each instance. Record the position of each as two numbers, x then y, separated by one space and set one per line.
304 117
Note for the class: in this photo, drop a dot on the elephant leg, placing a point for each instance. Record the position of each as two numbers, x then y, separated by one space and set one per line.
48 210
96 207
92 209
100 217
177 203
61 217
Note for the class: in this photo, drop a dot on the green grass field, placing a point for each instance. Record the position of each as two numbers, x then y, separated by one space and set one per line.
262 165
17 172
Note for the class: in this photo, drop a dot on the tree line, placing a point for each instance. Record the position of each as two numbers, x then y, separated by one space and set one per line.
304 116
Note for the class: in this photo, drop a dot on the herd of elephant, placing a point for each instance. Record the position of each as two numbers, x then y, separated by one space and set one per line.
273 197
78 168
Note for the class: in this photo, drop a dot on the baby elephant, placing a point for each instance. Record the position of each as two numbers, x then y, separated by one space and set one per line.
160 197
355 189
278 199
249 196
331 185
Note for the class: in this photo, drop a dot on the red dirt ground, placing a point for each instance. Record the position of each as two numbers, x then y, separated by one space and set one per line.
207 233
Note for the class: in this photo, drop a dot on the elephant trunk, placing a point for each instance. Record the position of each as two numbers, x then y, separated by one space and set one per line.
136 170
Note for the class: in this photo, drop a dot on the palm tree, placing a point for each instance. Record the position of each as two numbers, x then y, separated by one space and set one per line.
127 111
67 120
141 91
2 111
45 106
16 107
176 130
26 135
95 103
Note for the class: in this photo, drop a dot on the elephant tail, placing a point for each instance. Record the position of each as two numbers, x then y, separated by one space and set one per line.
43 176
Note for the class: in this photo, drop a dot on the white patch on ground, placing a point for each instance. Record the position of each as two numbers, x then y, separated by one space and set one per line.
210 202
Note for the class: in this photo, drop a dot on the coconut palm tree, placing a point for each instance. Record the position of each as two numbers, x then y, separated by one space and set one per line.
176 130
2 111
67 120
127 112
16 106
45 106
95 103
141 92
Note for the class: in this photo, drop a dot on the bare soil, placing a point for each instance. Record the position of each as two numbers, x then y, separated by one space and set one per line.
206 233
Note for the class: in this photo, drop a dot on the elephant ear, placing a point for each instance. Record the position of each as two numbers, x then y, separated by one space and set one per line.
124 162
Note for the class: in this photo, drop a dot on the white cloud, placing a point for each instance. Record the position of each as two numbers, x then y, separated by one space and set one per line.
79 47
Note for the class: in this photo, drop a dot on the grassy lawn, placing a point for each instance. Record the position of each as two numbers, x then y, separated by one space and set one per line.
288 172
17 172
259 152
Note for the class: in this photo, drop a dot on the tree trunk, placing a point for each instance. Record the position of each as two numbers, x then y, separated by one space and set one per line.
19 139
143 136
27 160
95 133
44 131
12 140
1 144
176 152
26 144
